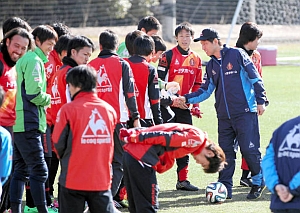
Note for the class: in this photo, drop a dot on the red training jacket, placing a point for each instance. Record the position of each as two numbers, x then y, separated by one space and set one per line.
184 67
256 59
147 89
51 67
115 84
58 91
83 141
8 82
160 145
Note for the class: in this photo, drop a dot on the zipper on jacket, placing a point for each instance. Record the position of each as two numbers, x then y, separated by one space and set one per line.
223 88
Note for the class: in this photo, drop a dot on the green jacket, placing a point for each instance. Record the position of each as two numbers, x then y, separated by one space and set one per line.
31 92
122 51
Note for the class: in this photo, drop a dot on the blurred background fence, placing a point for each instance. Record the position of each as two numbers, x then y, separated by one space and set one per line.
95 13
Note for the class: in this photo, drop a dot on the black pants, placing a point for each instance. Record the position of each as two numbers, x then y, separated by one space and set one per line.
29 164
181 116
117 163
4 201
52 172
46 142
141 183
74 201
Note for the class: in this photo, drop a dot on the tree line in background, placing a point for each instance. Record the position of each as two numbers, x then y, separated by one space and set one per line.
78 13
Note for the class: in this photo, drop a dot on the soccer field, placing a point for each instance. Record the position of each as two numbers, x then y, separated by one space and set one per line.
282 85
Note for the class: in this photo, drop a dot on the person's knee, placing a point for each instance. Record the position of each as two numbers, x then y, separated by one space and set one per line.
39 173
20 175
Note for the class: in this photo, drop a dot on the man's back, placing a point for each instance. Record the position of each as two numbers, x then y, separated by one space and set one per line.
147 90
112 74
91 138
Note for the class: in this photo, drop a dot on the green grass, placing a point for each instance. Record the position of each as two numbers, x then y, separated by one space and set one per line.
282 85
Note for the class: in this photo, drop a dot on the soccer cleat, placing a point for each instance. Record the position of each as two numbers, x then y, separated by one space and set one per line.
30 210
124 203
246 182
121 204
54 203
52 209
186 185
255 192
117 204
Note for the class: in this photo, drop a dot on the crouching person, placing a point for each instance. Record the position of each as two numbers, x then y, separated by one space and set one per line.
155 149
83 142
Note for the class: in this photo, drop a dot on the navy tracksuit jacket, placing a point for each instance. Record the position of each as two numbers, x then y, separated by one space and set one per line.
281 164
238 89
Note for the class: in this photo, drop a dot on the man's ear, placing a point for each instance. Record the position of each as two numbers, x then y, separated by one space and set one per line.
210 153
7 42
37 41
73 52
216 41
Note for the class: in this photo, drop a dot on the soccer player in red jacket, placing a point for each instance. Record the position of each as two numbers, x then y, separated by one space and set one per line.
155 149
79 50
182 65
146 81
85 148
115 85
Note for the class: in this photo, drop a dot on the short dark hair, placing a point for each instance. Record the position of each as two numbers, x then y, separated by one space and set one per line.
108 40
184 26
14 22
17 31
212 39
159 43
249 32
62 43
82 76
218 161
143 45
149 23
2 93
129 40
60 28
44 32
79 42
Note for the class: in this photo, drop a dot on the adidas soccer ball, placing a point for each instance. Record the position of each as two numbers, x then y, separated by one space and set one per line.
216 192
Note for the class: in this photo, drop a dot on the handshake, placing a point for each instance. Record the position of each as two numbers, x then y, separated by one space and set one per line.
169 92
180 103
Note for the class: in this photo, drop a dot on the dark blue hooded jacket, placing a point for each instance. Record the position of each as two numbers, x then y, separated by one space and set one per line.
236 81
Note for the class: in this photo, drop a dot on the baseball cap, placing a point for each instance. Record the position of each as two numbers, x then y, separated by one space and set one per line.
207 34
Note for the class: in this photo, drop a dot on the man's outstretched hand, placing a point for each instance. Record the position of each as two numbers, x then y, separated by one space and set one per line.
179 102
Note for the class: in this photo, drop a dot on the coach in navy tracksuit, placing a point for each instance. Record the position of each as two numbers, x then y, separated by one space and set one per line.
281 167
240 98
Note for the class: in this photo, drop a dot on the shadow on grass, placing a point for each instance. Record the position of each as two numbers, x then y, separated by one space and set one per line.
169 199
